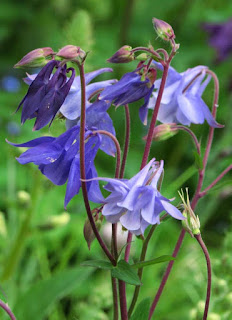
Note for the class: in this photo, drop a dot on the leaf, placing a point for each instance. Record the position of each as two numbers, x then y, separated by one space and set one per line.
198 160
38 300
160 259
142 310
124 271
101 264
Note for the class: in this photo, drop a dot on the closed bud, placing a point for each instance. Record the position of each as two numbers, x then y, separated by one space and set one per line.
55 222
192 222
36 58
71 52
163 132
142 57
3 229
88 231
123 55
163 29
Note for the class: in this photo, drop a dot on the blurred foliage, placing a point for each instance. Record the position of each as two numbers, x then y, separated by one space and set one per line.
40 275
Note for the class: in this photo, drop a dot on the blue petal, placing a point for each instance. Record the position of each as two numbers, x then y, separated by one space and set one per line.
94 192
172 210
34 142
141 178
131 220
74 182
189 105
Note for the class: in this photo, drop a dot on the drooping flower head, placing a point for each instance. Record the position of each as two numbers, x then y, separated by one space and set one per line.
59 160
130 88
181 101
137 203
46 94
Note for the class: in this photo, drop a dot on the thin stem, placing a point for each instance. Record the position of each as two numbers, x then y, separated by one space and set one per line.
154 117
147 50
115 298
127 140
140 271
166 274
117 145
122 297
4 306
202 193
164 52
191 133
197 193
82 167
209 274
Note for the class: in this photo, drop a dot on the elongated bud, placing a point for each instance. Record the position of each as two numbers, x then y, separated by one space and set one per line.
163 29
88 231
123 55
36 58
192 223
71 52
163 132
23 199
55 222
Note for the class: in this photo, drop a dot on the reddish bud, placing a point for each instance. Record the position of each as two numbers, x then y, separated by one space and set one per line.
163 132
163 29
70 52
35 58
123 55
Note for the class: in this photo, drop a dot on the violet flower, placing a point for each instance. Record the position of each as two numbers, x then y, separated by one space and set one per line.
59 160
128 89
137 203
181 101
97 118
46 94
220 38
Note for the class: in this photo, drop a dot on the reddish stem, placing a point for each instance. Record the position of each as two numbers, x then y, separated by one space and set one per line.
209 274
5 307
82 167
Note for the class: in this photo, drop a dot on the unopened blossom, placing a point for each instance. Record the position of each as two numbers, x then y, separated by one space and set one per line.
59 160
46 94
220 38
130 88
36 58
181 100
137 203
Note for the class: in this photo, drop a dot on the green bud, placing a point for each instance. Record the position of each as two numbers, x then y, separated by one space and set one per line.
201 306
163 132
142 57
23 198
213 316
192 222
88 231
36 58
163 29
55 222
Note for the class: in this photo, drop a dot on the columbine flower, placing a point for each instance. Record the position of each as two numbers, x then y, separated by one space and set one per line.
137 203
220 38
181 101
46 94
129 88
71 107
59 160
97 118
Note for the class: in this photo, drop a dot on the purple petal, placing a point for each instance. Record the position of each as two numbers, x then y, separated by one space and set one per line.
74 182
33 143
131 220
189 105
172 210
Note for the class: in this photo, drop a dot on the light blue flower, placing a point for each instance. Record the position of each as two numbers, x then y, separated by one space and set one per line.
137 203
182 98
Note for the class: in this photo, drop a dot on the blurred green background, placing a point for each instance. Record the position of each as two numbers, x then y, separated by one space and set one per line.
41 246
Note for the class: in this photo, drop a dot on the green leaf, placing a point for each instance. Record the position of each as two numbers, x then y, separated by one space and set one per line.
37 302
101 264
198 160
126 272
142 310
160 259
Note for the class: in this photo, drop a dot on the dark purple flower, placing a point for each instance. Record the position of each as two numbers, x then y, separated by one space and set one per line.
137 203
220 38
46 94
59 160
129 88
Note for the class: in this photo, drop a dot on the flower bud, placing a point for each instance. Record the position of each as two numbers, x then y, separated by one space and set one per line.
55 222
24 198
71 52
163 29
123 55
192 222
142 57
163 132
88 231
36 58
3 228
